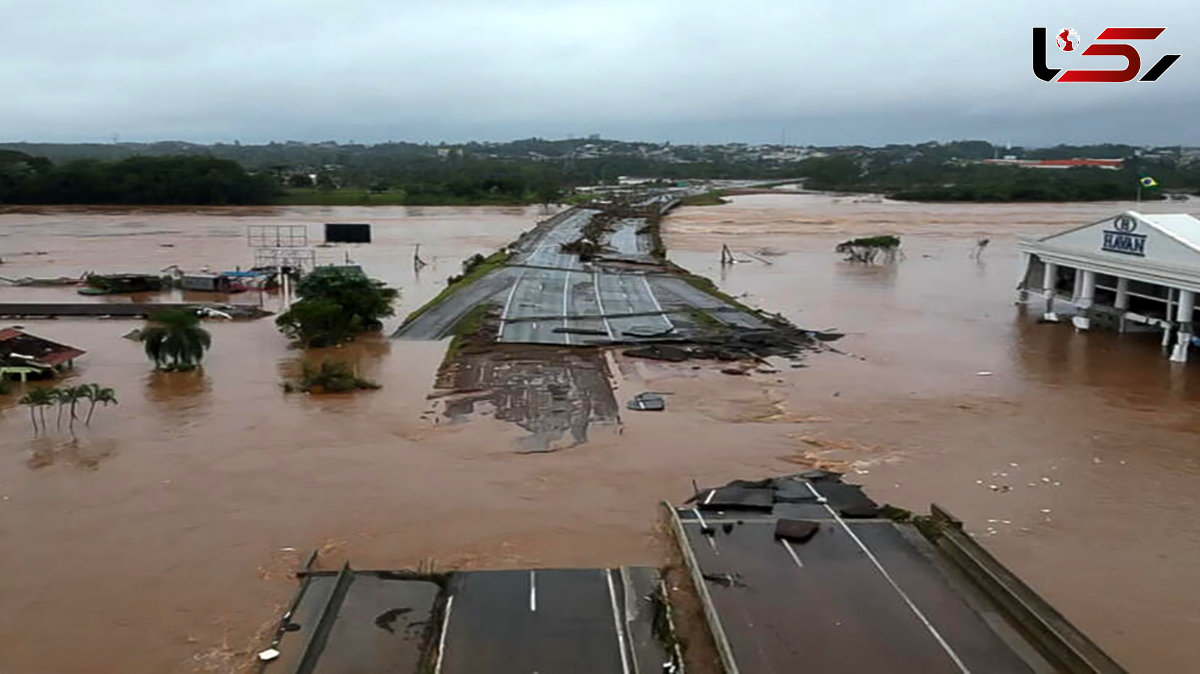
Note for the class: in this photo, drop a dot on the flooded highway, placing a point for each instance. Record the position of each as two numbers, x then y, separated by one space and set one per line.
162 537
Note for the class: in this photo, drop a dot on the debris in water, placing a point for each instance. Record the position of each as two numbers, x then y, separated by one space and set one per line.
652 402
268 655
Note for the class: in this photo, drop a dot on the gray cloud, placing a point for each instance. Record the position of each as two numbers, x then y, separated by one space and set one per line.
372 70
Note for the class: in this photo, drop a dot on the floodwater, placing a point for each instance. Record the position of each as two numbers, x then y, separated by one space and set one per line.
162 537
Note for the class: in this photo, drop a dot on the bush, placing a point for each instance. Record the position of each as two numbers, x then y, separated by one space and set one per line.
331 376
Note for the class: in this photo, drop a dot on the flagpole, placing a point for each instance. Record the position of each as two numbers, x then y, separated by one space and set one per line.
1139 192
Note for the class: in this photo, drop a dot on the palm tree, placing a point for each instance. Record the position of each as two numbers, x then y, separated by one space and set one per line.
74 394
38 399
98 394
60 396
175 340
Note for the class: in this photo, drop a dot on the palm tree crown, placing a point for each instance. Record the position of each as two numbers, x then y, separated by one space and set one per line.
175 340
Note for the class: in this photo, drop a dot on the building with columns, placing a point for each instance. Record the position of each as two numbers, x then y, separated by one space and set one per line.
1131 272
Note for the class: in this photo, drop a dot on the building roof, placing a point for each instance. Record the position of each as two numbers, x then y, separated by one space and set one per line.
1180 226
15 344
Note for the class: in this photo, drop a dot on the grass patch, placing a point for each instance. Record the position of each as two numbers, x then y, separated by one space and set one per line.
466 330
705 320
357 196
707 285
714 198
343 197
473 273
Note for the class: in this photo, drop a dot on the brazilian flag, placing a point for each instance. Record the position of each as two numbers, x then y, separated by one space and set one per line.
1148 182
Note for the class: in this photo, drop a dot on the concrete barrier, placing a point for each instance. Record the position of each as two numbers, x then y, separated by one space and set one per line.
710 612
1055 637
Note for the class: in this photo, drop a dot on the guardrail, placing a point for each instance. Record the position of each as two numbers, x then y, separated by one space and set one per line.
724 650
1068 649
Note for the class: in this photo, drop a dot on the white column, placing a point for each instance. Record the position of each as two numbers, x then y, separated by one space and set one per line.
1078 289
1049 277
1122 301
1085 291
1183 315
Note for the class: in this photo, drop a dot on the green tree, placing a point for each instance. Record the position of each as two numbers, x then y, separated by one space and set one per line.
174 340
335 304
98 395
38 399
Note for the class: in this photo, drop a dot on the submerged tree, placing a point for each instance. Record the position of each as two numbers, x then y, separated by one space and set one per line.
97 394
331 376
38 400
335 304
867 249
175 341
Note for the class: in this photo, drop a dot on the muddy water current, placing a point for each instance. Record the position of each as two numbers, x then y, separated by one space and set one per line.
162 537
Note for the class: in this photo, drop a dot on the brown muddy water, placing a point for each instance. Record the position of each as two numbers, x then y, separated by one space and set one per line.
161 538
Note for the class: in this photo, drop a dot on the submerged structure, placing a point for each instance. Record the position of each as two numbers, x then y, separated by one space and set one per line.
24 356
1132 272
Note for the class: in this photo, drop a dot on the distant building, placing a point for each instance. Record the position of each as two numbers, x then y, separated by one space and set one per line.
1133 272
1112 164
24 356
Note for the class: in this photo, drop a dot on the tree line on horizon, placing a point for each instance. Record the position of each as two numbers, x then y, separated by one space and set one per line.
541 171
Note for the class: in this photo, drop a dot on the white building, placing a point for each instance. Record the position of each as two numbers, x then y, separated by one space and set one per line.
1132 272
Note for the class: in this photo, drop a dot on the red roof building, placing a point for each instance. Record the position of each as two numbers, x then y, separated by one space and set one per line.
22 354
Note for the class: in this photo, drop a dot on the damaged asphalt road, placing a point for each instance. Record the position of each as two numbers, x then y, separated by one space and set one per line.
586 277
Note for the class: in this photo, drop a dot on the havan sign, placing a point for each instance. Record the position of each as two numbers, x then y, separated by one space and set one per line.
1121 238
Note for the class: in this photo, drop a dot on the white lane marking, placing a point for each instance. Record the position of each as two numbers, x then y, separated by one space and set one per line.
612 596
895 586
566 295
437 669
508 303
795 558
708 499
532 591
600 304
820 499
712 540
657 306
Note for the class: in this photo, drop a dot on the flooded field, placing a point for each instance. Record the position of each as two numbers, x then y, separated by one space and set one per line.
162 537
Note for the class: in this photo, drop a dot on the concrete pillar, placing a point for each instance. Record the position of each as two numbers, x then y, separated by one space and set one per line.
1085 293
1087 289
1023 294
1078 289
1049 277
1183 316
1122 301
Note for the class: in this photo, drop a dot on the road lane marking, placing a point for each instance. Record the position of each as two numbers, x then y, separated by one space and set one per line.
709 498
437 669
895 586
532 592
612 597
566 295
508 303
663 314
712 540
600 304
792 552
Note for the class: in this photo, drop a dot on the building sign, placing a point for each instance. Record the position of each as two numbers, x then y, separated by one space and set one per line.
1122 239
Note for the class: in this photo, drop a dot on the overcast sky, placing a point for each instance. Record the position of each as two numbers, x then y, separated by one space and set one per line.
848 71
